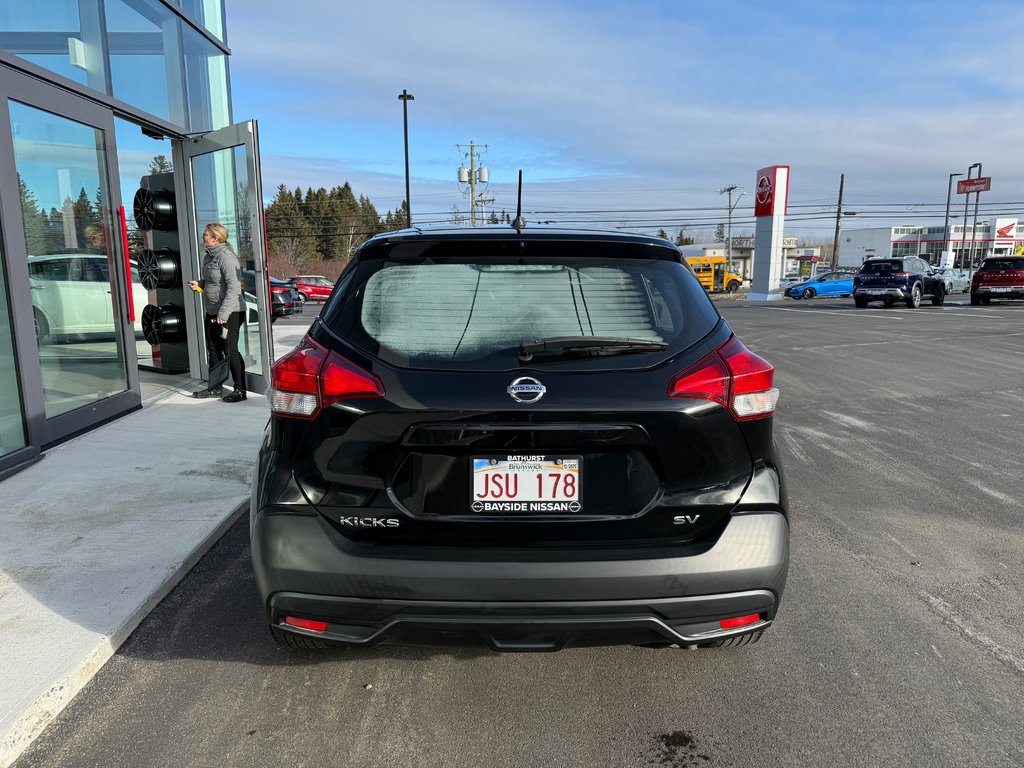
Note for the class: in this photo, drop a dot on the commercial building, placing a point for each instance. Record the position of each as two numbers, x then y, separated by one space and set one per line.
743 254
998 236
108 105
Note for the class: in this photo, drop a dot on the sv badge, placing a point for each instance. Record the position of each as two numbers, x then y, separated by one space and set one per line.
685 519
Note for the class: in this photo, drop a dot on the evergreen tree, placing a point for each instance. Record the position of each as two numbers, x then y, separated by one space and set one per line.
371 219
493 218
457 217
289 235
682 238
84 215
396 220
36 223
160 164
319 213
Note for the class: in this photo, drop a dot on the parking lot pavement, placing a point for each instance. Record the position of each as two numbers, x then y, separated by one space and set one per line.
86 555
897 643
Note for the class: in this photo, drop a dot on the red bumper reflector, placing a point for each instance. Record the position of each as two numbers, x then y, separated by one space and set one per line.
316 626
740 621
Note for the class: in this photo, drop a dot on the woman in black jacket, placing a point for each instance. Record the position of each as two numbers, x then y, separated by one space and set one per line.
225 309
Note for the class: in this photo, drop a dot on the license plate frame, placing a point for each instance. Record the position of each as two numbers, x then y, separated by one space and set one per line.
508 484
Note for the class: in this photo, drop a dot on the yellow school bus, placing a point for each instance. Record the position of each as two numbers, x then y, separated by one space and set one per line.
713 274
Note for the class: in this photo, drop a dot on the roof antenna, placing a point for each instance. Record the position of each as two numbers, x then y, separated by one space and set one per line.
518 223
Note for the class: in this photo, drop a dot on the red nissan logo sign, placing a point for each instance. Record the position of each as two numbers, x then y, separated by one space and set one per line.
764 190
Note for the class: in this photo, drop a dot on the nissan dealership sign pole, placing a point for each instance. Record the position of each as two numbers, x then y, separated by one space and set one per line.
966 187
771 198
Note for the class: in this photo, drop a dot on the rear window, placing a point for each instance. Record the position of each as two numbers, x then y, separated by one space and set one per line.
472 313
881 267
993 265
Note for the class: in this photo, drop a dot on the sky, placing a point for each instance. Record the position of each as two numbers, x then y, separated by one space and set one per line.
636 114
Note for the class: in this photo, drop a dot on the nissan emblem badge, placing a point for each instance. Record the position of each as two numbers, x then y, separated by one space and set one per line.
526 389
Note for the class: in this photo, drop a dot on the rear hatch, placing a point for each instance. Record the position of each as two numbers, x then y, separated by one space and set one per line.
523 392
1001 272
884 273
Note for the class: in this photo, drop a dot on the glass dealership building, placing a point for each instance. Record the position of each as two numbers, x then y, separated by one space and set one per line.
100 99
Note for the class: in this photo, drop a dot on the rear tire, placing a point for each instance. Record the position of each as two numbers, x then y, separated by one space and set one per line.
288 640
986 300
975 300
304 297
939 297
914 299
861 303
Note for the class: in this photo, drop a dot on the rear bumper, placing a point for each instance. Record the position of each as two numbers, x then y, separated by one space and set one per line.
1001 291
880 293
517 600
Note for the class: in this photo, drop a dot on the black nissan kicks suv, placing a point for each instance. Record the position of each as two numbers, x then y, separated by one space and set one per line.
523 439
902 278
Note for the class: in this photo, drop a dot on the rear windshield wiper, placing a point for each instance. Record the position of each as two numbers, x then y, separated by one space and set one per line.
584 346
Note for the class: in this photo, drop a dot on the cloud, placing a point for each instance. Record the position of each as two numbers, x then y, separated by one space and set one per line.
657 104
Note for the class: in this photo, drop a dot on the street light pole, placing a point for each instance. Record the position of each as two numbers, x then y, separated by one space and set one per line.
945 227
406 97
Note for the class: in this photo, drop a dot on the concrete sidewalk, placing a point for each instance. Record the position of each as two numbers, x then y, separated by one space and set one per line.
102 528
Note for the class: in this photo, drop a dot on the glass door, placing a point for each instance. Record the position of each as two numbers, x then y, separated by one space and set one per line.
72 327
222 181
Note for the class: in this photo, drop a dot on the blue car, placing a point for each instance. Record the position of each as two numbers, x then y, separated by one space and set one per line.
826 284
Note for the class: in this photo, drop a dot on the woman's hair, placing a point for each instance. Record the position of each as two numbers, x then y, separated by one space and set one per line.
220 234
93 230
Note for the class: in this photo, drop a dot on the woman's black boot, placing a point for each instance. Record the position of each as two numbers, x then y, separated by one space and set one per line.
235 397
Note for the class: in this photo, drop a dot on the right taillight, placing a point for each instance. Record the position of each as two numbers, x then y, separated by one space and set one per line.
734 377
309 378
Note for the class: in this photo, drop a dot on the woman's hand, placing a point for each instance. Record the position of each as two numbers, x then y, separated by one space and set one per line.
193 284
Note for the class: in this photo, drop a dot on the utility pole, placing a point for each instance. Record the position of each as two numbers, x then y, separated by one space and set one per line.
839 216
473 175
729 189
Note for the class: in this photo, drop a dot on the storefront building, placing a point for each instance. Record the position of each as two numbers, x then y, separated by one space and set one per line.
999 236
116 149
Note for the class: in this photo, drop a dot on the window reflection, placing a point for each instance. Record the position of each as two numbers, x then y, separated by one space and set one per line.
142 36
61 169
221 183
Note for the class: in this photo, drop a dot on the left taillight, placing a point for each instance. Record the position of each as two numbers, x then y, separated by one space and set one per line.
732 376
310 378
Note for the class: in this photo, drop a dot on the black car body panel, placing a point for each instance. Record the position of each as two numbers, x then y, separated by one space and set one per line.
375 517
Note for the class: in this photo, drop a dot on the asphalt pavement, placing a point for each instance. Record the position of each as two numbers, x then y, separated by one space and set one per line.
104 526
897 642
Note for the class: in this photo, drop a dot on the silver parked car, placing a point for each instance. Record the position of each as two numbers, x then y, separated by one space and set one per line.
956 280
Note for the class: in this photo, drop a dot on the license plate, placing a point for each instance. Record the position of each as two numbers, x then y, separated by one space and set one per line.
876 293
526 484
1000 290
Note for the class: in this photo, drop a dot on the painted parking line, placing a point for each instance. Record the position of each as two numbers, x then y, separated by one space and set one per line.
831 312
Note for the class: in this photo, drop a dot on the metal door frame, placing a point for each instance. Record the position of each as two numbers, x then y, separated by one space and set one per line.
245 134
40 431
